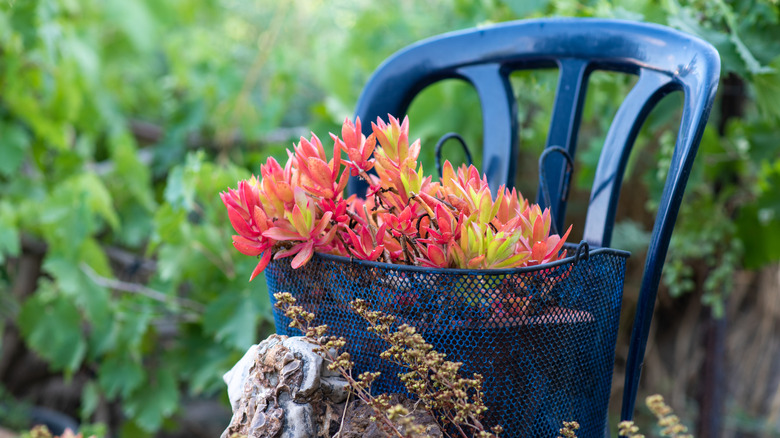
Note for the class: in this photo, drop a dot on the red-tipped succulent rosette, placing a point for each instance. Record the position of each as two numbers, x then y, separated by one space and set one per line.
298 209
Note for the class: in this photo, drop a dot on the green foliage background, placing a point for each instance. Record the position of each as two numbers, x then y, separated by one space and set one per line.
87 174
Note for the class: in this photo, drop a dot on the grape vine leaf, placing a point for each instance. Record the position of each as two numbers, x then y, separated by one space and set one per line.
120 374
51 325
232 318
156 399
767 85
9 240
15 142
90 399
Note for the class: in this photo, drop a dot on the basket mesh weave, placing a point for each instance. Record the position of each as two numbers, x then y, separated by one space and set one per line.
543 338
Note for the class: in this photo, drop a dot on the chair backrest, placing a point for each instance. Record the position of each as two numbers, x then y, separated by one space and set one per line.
665 60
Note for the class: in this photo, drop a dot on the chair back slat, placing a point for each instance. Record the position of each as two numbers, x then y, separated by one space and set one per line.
600 220
564 127
499 121
699 93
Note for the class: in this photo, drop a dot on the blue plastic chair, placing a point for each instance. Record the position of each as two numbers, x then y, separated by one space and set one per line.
665 61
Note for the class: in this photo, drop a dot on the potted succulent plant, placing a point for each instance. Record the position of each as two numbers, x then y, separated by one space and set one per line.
405 218
480 276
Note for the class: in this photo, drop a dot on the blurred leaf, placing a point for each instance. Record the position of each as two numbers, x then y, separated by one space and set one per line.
9 240
91 299
68 276
134 19
120 374
90 399
13 142
170 224
154 400
522 8
177 193
74 283
88 187
137 225
172 261
629 235
52 327
85 57
685 20
63 227
93 255
767 86
132 175
202 362
133 323
131 429
232 318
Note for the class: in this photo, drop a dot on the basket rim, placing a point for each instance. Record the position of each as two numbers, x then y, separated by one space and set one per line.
461 271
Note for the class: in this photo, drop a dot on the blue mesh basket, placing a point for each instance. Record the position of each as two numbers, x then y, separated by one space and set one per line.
543 337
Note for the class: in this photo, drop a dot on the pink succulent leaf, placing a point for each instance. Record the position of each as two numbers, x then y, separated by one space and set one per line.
281 234
229 200
430 201
367 149
249 194
335 163
342 184
319 171
404 223
326 241
538 252
538 233
476 262
358 147
309 148
303 256
380 233
337 208
555 246
351 133
251 249
381 131
240 224
253 241
260 218
299 219
414 149
318 191
261 265
353 238
363 246
435 257
324 222
283 253
376 253
552 242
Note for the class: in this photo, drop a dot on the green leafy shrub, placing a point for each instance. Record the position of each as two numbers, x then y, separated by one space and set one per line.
118 119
